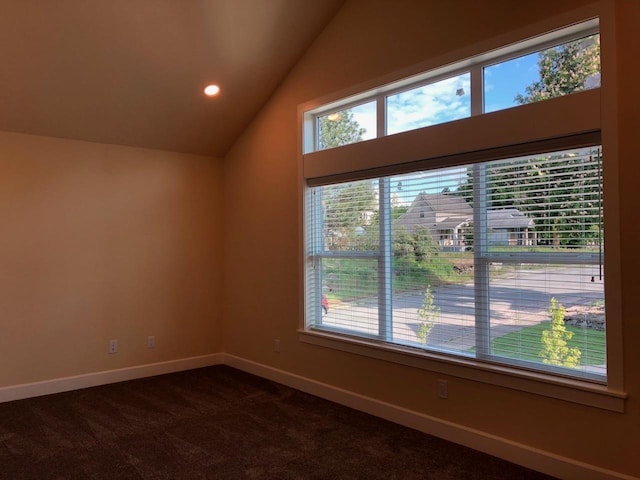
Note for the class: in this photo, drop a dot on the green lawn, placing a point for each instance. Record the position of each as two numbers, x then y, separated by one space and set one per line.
526 344
348 279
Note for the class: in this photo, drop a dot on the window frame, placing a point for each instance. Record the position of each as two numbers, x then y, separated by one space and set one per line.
608 396
483 258
474 66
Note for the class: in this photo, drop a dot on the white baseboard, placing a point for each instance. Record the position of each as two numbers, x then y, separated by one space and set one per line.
543 461
36 389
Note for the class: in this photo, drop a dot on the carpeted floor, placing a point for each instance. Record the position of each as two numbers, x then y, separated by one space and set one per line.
220 423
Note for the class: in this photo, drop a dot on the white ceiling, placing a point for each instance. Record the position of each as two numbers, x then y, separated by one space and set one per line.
131 72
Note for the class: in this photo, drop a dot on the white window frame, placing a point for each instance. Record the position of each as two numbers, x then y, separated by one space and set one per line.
474 66
346 163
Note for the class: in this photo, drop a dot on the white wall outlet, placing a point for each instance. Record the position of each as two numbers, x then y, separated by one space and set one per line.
443 390
113 346
151 341
276 345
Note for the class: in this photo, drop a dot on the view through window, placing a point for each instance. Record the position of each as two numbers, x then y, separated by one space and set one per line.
499 260
494 260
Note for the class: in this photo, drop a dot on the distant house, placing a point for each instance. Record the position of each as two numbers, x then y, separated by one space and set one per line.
448 218
509 226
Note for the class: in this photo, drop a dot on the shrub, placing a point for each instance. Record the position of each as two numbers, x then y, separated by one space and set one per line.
429 314
555 350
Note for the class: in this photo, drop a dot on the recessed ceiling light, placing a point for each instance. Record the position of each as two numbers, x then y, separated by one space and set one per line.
211 90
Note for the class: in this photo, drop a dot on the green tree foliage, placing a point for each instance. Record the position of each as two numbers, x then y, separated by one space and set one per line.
428 314
338 129
566 183
564 69
397 211
415 258
417 246
347 207
561 194
555 350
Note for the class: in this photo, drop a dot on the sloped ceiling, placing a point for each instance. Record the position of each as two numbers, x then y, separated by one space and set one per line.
131 72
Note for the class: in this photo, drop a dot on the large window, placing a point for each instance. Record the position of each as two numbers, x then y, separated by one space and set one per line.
500 261
461 222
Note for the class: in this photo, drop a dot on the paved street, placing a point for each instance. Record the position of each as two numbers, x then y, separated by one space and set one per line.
517 300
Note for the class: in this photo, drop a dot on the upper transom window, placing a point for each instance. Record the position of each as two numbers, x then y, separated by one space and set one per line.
551 65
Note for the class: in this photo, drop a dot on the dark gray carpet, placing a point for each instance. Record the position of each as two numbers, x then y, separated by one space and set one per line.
220 423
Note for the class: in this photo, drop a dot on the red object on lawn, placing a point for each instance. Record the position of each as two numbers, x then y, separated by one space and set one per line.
325 305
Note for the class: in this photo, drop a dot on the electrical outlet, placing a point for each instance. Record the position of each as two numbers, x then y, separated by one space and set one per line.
113 346
276 345
151 341
443 390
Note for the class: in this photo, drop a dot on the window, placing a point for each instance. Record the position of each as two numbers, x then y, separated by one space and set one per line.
560 70
456 239
499 261
548 66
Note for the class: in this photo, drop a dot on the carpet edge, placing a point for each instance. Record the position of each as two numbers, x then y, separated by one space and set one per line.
521 454
76 382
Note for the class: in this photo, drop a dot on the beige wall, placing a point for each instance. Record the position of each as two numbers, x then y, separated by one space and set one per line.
101 242
369 39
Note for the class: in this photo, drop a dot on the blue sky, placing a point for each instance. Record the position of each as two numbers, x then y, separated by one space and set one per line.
444 101
507 79
449 99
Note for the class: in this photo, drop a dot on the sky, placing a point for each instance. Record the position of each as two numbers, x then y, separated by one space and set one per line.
449 99
444 101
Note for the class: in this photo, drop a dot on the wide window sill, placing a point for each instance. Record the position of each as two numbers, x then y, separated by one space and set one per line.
567 389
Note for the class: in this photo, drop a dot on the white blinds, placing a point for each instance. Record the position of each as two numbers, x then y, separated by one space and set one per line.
500 261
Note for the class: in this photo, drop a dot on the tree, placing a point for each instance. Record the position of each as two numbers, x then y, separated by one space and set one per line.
562 194
429 314
347 206
566 182
564 69
338 129
555 350
417 246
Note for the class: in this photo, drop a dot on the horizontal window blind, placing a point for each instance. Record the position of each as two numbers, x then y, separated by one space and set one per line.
500 261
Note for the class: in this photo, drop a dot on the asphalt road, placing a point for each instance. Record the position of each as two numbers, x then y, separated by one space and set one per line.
517 300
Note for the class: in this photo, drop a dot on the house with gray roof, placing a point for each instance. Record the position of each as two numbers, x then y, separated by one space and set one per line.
509 226
449 218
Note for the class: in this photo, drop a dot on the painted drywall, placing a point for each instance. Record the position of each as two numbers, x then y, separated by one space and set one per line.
366 40
105 242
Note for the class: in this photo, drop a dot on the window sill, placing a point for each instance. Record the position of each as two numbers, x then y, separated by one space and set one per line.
571 390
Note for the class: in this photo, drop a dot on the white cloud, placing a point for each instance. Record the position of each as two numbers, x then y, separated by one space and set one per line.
429 105
365 115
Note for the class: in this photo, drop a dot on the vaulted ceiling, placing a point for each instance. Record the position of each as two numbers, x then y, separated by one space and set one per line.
131 72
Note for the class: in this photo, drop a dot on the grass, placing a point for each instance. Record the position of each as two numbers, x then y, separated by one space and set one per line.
349 279
526 344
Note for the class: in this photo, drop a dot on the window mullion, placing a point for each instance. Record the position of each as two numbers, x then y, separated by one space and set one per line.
385 322
481 261
477 90
381 115
317 247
